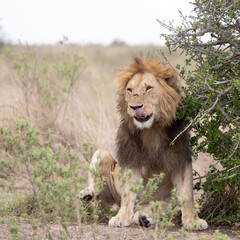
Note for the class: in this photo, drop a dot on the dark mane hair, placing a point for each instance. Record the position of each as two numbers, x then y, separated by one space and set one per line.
151 147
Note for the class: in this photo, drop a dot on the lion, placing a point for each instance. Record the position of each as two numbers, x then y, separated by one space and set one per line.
148 98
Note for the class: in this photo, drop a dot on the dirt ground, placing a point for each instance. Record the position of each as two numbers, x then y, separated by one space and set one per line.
88 232
103 232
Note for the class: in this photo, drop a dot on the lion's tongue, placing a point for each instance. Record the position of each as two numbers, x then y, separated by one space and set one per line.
140 113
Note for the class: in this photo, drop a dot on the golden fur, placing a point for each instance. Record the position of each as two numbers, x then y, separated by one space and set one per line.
148 98
166 78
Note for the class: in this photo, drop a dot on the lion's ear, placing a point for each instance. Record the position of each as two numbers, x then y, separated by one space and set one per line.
170 76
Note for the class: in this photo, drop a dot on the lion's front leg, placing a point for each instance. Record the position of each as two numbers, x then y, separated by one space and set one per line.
126 212
183 181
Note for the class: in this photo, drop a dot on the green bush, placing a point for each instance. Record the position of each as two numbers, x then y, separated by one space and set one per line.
210 38
54 172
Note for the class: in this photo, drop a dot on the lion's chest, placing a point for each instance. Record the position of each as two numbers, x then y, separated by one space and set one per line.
146 148
153 149
154 143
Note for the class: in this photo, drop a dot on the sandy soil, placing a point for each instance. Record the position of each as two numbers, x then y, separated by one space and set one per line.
103 232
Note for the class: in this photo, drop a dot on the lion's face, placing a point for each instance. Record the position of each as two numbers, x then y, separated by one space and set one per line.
142 94
147 94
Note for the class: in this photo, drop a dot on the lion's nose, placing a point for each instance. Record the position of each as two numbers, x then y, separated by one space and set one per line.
136 107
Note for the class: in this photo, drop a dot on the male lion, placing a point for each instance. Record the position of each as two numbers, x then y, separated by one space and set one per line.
148 97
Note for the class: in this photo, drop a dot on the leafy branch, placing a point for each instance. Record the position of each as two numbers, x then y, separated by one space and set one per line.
210 40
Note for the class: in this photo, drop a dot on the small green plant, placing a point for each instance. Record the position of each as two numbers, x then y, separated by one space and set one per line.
183 233
53 171
18 206
219 236
163 214
14 229
169 237
149 189
87 150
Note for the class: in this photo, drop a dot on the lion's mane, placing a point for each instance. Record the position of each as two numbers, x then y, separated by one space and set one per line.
151 147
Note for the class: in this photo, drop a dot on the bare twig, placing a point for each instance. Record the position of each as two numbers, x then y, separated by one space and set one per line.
228 170
196 120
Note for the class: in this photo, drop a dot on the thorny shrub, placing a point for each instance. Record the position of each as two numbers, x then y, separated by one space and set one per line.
210 39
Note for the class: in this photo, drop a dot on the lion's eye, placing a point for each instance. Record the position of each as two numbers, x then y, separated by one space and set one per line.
148 88
129 90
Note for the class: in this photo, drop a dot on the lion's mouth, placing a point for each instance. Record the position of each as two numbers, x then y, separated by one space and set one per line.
140 115
143 119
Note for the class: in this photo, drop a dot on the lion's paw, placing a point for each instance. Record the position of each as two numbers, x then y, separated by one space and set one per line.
86 194
145 221
119 221
199 224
